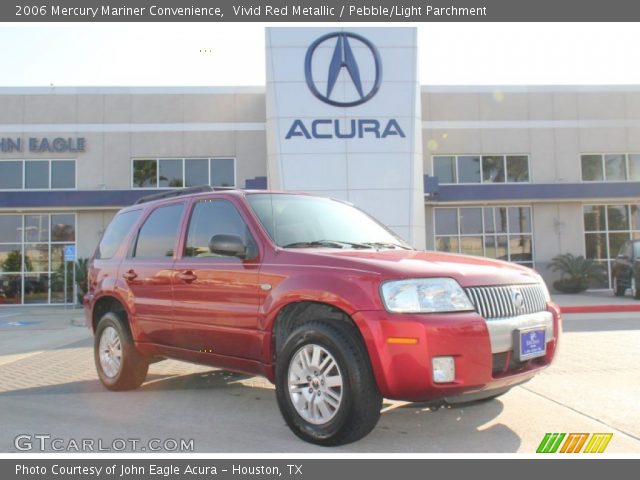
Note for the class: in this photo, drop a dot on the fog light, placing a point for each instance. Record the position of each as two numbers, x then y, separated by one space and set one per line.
444 369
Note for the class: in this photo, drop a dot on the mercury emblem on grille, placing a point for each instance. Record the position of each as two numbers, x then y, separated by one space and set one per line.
517 299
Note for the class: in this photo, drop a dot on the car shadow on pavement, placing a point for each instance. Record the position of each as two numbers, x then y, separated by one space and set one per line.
419 428
213 379
82 343
406 428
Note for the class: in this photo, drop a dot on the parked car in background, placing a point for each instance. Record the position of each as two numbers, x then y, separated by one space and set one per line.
318 297
626 270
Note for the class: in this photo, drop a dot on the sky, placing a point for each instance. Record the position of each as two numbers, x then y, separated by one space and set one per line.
209 54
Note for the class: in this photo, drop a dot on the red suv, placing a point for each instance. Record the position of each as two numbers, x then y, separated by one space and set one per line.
318 297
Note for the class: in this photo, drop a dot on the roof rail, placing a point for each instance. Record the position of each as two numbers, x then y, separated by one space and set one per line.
174 193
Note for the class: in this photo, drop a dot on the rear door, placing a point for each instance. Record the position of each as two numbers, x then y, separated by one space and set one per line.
216 297
147 271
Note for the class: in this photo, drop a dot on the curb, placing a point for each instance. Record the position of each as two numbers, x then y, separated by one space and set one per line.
600 308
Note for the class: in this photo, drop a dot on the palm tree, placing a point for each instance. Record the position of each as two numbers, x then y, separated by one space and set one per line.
145 172
577 272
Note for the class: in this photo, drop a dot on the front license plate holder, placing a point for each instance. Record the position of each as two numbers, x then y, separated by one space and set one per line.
530 342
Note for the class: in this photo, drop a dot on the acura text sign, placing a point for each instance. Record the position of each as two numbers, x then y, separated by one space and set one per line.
343 119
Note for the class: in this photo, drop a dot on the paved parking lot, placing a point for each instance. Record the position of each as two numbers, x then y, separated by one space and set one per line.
48 385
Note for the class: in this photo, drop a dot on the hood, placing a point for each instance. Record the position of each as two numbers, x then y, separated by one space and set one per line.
468 271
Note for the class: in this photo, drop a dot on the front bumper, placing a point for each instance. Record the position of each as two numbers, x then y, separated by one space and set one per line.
482 351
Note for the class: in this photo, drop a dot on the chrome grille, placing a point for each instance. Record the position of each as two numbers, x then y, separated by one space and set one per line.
507 301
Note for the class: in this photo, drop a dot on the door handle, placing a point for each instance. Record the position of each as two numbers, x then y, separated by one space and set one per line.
130 275
187 276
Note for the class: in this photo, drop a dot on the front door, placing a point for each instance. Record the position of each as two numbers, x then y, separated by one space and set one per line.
216 297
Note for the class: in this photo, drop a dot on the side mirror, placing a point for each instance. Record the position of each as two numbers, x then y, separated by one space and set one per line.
229 245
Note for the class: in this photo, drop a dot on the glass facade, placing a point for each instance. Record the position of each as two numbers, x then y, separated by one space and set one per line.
37 174
610 167
32 267
505 233
606 229
182 172
451 169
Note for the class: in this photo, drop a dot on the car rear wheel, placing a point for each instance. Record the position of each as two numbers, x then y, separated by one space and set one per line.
618 290
119 365
324 385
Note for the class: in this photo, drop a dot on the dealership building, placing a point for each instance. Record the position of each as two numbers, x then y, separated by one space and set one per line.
520 173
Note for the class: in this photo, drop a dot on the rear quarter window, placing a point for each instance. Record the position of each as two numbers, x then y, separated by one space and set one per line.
116 232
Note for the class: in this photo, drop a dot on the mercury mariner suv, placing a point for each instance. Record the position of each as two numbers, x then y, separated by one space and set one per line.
316 296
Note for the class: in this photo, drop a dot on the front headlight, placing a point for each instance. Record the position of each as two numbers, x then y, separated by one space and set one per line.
424 295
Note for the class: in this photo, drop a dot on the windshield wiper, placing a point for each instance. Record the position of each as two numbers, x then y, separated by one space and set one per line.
387 245
327 244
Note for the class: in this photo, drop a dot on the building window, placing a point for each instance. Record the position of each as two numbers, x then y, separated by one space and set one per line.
453 169
183 172
606 229
32 267
610 167
505 233
37 174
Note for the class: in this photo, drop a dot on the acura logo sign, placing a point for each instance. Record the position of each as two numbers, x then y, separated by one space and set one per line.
348 73
342 60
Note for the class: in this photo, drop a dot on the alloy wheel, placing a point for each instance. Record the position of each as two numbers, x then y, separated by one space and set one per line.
315 384
110 352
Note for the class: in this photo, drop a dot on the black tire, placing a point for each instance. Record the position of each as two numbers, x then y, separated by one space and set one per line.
133 367
618 290
358 410
635 289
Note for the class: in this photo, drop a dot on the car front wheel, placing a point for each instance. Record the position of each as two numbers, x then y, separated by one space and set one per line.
324 384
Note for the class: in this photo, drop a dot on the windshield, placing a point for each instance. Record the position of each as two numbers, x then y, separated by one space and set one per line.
299 221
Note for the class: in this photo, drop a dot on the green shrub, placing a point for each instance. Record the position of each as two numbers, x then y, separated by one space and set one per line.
577 272
81 266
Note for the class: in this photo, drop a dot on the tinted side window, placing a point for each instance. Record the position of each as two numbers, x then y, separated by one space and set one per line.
215 217
157 236
116 232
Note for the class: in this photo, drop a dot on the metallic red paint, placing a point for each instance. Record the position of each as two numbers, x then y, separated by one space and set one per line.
225 317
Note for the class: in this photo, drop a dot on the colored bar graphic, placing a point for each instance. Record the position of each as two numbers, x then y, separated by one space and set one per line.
581 442
574 442
550 443
598 442
555 446
543 443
